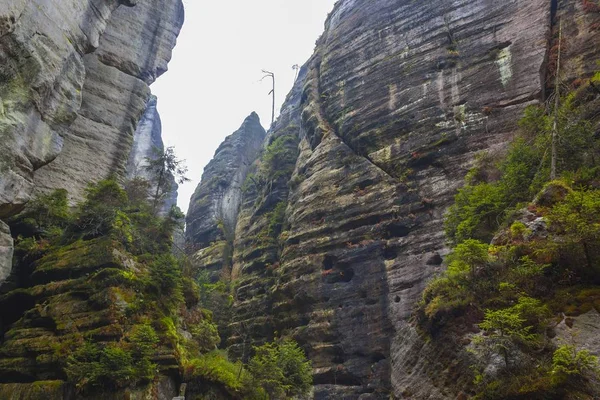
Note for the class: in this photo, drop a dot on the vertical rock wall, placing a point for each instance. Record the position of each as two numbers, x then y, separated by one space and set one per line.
74 79
390 113
147 137
215 204
132 53
42 46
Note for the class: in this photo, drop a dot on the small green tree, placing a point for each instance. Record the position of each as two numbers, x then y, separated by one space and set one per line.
466 259
577 218
281 369
505 329
165 276
48 210
162 167
206 335
101 212
117 364
570 364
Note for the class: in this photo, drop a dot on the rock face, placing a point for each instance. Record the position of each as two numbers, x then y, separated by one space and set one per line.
6 251
581 331
147 137
215 204
74 77
387 117
131 54
42 46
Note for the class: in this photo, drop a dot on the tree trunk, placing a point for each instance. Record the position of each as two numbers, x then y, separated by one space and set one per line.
157 193
556 105
588 255
273 107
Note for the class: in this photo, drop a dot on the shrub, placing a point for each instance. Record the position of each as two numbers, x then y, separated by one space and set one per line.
116 365
505 329
480 207
281 369
466 259
570 364
165 276
280 157
215 367
46 211
576 218
206 334
98 213
276 219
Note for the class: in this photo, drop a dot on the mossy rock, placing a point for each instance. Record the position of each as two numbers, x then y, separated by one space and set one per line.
40 390
77 259
554 192
576 301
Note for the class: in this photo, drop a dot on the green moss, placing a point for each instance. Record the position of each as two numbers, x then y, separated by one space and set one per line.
215 367
76 258
577 300
38 390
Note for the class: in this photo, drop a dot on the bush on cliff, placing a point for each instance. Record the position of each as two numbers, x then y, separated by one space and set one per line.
496 187
543 263
115 256
115 365
281 369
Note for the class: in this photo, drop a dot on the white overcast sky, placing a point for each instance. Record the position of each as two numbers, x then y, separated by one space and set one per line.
213 80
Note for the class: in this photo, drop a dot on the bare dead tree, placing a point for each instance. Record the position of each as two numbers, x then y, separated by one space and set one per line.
268 74
296 68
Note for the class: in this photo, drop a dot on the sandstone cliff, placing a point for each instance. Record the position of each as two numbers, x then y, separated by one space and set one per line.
74 79
335 243
214 207
146 140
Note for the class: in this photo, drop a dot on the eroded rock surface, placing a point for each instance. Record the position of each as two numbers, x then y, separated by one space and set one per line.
391 111
132 53
215 204
6 251
74 79
42 46
146 141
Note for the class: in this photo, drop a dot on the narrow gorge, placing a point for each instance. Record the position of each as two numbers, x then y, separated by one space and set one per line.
327 229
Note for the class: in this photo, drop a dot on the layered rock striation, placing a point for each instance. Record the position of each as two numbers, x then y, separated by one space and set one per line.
335 245
147 140
132 53
74 79
215 204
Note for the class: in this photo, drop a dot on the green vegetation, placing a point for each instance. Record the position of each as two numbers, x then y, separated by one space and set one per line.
215 367
115 365
543 263
280 157
569 364
164 167
109 259
278 370
498 186
119 301
507 327
281 370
